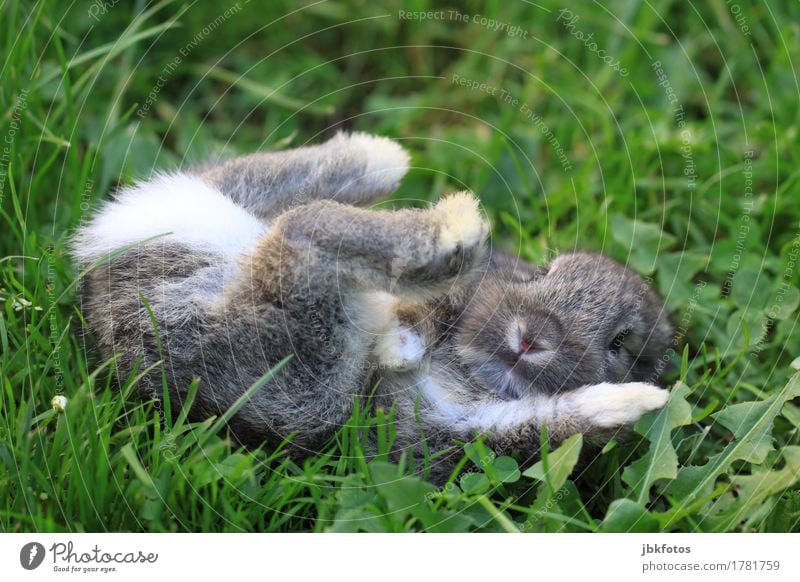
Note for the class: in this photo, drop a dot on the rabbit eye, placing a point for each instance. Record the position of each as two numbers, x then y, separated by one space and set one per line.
618 342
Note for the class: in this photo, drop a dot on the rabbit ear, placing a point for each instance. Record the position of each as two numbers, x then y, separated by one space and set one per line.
356 169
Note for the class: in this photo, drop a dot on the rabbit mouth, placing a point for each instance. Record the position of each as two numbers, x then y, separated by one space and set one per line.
507 373
515 379
508 380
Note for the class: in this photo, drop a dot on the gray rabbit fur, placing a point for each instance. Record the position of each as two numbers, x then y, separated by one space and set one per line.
247 261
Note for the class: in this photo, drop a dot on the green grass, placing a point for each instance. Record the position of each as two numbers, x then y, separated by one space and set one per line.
607 163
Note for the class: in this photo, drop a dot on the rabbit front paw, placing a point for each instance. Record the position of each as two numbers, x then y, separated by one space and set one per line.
609 405
431 265
460 236
462 224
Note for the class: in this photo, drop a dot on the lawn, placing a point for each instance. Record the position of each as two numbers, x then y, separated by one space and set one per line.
662 133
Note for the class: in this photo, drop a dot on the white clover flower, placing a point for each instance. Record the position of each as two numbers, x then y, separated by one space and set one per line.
59 402
21 303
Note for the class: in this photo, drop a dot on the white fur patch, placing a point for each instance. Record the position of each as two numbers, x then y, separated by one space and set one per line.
387 161
463 223
483 415
610 405
400 348
448 411
505 414
373 311
397 346
195 213
601 405
514 334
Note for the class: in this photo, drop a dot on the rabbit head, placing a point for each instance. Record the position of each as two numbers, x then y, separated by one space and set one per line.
583 319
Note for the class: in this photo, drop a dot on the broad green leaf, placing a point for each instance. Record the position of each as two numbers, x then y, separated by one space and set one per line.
507 469
784 301
675 273
751 425
645 241
626 516
480 454
357 508
398 490
474 482
408 495
791 413
560 463
442 521
746 329
661 460
354 493
755 489
354 519
750 290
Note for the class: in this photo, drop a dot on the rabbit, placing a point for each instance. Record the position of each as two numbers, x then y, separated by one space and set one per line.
222 271
577 344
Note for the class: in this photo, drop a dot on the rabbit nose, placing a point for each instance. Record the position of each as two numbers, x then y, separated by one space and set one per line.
528 347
